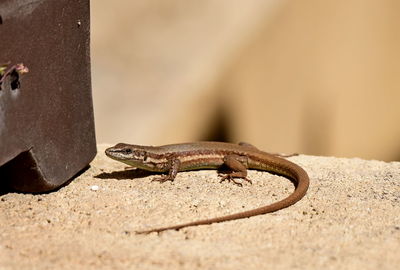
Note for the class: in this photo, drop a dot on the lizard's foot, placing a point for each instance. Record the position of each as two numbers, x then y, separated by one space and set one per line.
162 179
248 180
230 178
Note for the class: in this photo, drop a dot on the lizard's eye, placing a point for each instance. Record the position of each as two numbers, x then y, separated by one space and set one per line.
127 151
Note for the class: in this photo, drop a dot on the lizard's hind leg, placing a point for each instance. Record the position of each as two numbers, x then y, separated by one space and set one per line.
238 169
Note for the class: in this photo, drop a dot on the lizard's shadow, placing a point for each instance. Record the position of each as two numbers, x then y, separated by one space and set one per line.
125 174
139 173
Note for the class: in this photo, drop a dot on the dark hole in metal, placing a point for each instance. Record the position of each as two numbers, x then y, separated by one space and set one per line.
1 20
15 84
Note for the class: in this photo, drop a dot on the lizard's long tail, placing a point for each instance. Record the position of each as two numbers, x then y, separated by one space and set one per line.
286 168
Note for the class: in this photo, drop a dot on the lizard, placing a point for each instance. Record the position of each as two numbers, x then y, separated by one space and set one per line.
174 158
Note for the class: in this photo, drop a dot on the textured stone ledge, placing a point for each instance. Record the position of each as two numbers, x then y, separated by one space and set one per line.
348 219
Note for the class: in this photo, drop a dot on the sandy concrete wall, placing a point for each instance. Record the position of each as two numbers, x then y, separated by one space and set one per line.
347 220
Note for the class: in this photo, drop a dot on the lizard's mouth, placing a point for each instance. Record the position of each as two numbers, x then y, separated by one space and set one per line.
109 152
114 153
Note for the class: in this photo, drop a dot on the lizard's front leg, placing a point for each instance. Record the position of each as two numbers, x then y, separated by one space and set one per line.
174 165
239 170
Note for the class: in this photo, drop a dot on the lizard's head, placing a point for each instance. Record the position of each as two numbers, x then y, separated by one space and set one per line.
133 155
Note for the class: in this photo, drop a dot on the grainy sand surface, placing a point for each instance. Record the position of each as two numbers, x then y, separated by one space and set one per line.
349 219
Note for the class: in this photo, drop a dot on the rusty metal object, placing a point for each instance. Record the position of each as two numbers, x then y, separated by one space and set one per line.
46 114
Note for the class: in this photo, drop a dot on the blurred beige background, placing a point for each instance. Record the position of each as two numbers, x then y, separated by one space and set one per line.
316 77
